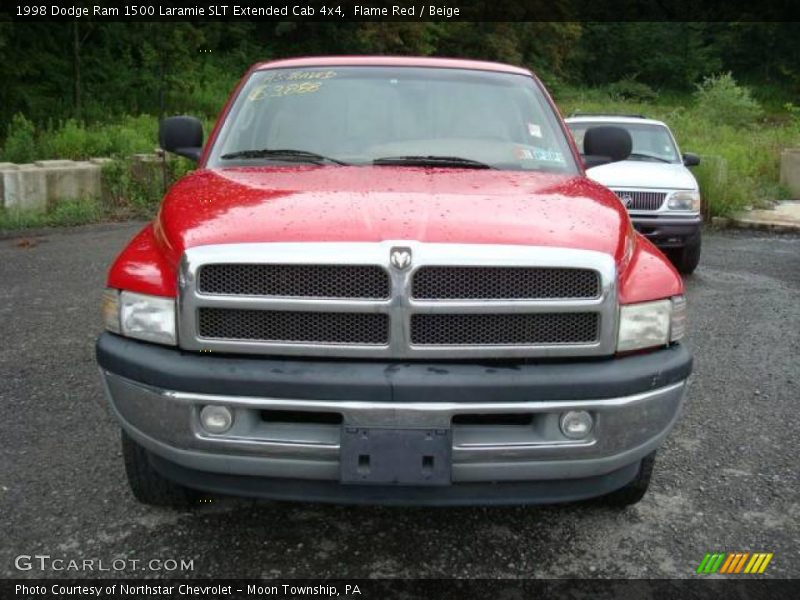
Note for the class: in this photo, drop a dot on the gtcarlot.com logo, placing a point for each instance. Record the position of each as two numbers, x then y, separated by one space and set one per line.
45 562
734 563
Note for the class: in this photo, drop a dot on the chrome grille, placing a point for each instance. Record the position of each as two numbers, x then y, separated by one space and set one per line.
452 301
293 326
309 281
504 329
641 200
501 283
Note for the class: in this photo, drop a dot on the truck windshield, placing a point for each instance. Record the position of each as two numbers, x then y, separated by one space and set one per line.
399 116
652 143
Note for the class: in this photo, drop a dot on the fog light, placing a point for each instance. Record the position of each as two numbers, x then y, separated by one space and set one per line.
576 424
216 419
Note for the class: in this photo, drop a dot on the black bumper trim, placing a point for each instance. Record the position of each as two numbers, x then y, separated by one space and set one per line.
383 381
659 231
457 494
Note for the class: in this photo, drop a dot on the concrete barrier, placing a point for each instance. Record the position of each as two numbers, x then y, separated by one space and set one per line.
40 186
790 171
24 187
81 180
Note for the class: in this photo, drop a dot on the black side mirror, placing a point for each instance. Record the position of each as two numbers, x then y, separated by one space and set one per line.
602 145
181 135
690 160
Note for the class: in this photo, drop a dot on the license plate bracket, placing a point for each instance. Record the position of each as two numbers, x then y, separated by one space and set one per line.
372 455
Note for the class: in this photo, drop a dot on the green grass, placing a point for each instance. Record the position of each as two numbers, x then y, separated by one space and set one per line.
67 213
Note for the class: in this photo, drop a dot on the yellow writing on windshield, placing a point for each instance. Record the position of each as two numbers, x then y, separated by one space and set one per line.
283 89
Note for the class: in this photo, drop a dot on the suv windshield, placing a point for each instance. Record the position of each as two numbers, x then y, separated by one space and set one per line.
451 118
650 142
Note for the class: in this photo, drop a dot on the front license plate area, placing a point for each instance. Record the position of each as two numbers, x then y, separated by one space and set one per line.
370 455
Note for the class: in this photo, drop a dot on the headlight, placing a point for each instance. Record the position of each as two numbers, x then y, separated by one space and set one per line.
687 200
141 316
651 324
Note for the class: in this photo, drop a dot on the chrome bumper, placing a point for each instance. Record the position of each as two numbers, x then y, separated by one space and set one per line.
167 424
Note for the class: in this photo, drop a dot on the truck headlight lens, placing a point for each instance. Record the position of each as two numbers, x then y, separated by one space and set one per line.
687 200
145 317
644 325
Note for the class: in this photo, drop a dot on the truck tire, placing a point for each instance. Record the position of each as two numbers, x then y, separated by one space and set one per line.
687 258
636 489
147 485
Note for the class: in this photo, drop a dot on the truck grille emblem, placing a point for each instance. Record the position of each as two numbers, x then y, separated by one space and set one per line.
400 258
627 200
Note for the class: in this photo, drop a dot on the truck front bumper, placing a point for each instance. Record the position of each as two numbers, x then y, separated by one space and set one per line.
290 417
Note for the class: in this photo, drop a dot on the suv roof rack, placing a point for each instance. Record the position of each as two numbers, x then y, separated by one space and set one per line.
578 113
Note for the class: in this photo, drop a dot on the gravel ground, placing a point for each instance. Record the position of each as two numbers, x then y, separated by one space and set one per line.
726 480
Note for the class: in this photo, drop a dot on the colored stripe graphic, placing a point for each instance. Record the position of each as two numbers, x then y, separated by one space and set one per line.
764 564
711 563
740 564
726 567
734 562
730 564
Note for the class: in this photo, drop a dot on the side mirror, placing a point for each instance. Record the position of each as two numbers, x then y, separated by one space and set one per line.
690 160
181 135
602 145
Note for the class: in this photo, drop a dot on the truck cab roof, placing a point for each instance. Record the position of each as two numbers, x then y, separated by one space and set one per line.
390 61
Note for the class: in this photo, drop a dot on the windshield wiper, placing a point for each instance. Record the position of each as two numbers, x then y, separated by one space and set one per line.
431 161
283 154
650 156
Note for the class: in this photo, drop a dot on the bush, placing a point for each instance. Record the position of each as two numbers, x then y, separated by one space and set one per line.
630 89
137 188
20 145
723 102
76 141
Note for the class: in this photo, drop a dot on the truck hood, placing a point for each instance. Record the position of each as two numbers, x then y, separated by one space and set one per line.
641 174
373 204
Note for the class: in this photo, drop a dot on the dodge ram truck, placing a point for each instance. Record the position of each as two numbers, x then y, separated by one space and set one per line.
389 281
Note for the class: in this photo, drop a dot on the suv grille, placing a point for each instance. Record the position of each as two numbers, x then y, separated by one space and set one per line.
504 329
294 326
501 283
310 281
640 200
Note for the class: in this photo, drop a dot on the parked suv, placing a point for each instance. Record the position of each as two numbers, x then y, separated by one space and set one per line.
389 281
654 184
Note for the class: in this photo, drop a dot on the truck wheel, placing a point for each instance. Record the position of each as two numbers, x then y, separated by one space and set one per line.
687 258
636 489
147 485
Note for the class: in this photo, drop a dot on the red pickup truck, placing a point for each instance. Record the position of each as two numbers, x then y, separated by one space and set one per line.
389 281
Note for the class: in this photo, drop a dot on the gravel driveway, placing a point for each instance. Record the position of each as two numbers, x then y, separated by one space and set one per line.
728 478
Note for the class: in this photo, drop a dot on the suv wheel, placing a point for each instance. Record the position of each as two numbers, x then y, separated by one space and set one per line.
687 258
636 489
147 485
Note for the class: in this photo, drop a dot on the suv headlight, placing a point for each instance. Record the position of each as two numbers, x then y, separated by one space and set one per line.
651 324
141 316
686 200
